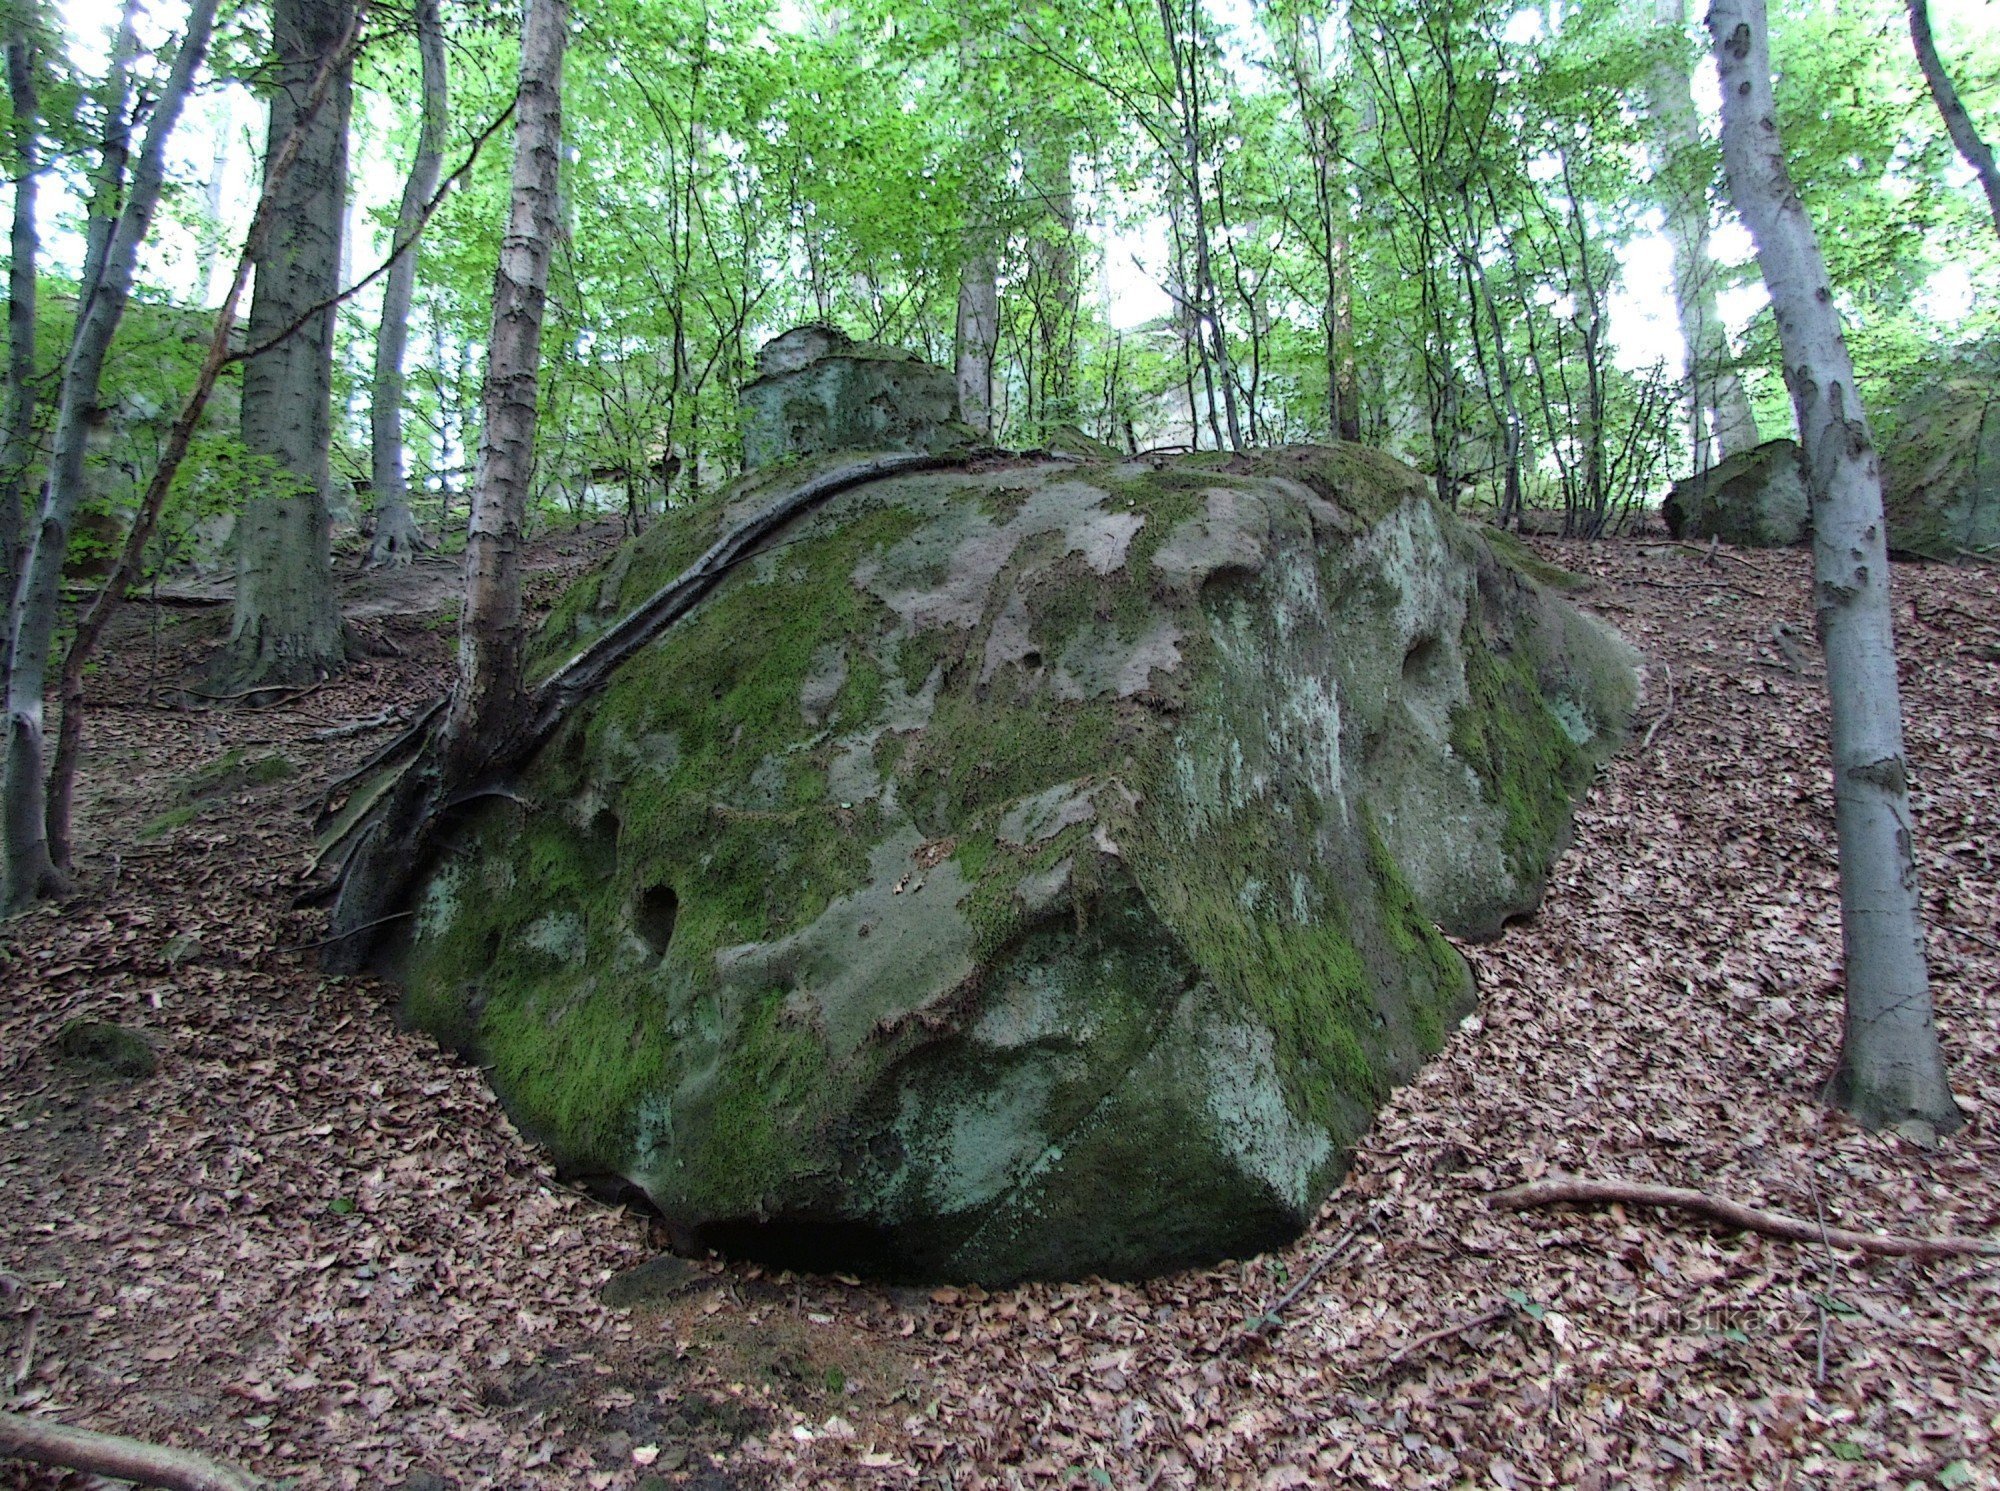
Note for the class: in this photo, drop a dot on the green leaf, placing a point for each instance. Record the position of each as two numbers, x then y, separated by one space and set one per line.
340 1206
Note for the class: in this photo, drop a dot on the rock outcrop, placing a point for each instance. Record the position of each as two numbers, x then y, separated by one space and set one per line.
1026 870
1941 472
818 390
1756 499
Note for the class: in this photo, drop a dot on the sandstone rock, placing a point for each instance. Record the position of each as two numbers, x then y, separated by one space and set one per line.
1029 871
1941 472
819 390
1755 500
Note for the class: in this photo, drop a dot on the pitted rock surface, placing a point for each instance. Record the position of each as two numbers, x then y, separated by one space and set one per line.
1030 870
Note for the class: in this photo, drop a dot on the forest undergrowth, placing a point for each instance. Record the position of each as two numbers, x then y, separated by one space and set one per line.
312 1243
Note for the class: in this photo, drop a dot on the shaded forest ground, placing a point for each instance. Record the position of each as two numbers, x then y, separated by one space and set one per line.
312 1242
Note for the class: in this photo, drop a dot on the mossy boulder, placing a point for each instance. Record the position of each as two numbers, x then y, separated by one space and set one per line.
1031 870
1941 472
1756 499
99 1048
819 390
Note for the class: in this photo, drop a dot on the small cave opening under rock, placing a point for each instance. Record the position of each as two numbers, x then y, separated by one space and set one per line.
810 1245
654 915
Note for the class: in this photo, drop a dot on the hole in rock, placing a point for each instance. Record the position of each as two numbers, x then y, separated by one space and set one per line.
1420 663
1032 661
653 917
807 1245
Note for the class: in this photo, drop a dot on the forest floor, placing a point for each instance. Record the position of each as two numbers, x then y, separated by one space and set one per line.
312 1242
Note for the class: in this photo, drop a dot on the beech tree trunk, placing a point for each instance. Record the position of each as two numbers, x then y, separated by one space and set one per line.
30 869
287 626
17 446
1978 154
1724 423
487 700
397 538
978 331
1890 1068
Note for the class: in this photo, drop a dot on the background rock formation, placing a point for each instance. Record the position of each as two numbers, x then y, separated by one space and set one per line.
1755 500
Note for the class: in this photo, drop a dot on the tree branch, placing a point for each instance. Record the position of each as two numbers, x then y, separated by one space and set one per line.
1576 1190
423 221
45 1442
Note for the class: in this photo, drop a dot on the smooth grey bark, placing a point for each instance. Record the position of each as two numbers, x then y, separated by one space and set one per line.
107 186
487 697
1890 1068
1724 423
17 446
397 538
1964 134
287 626
978 331
30 872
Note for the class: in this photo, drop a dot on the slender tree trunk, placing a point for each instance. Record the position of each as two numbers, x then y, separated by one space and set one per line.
107 186
397 537
978 330
487 698
17 453
1723 418
287 626
30 869
1890 1067
1978 154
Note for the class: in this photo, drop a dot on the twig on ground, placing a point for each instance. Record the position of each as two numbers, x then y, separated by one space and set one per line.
1577 1191
1401 1353
46 1442
1708 555
1781 637
298 691
1270 1318
1663 716
1819 1211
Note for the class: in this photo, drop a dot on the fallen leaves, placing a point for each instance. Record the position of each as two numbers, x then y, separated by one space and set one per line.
314 1244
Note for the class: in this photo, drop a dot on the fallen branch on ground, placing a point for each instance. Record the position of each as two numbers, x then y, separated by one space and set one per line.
1707 556
1492 1317
46 1442
1580 1192
1271 1317
1663 716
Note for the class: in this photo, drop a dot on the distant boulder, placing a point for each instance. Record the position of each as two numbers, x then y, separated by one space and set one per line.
817 389
1756 500
1941 471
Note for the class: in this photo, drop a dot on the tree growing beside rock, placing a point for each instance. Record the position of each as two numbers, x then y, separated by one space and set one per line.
1890 1068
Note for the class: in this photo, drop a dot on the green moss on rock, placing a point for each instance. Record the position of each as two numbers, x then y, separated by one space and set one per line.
999 843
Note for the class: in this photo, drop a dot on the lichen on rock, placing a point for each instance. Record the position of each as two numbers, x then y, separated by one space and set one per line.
1029 870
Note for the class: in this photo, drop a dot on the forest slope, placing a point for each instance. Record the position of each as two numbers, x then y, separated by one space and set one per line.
313 1243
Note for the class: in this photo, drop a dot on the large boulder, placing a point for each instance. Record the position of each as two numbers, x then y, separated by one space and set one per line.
1755 499
1024 870
1941 471
818 390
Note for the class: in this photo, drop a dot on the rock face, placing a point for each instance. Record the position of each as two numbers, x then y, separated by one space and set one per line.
1755 500
1941 472
1027 870
818 390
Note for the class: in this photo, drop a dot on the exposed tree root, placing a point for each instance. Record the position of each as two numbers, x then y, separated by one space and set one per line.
46 1442
382 836
1582 1192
